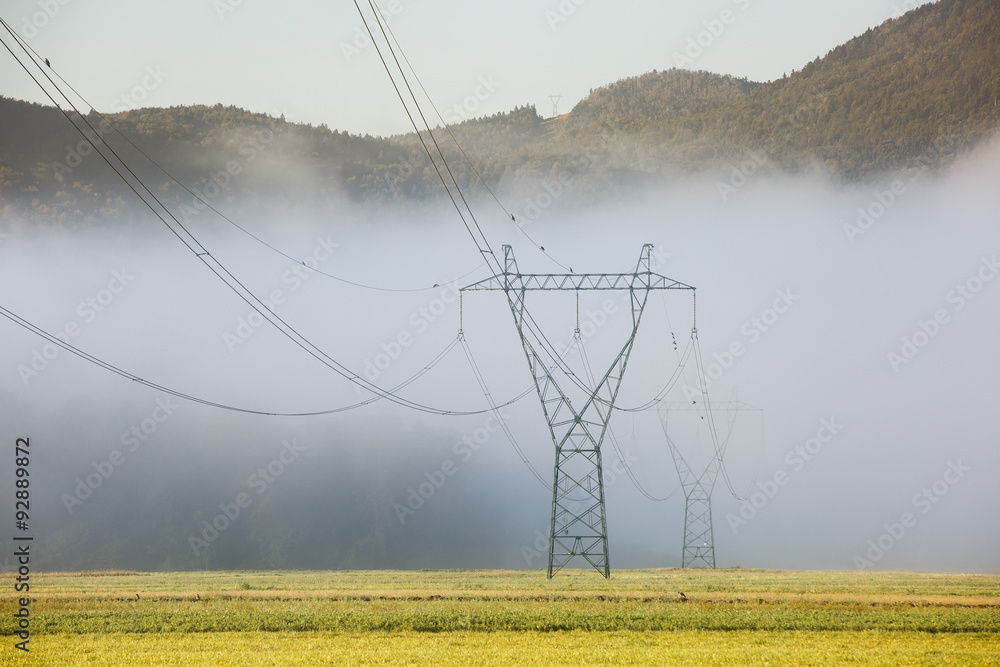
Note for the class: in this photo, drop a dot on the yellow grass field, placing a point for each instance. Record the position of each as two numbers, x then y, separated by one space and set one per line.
735 617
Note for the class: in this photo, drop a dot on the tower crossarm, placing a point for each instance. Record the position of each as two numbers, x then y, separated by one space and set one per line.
577 415
642 278
533 282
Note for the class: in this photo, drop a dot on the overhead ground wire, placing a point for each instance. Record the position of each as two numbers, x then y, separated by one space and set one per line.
199 250
611 434
472 165
209 205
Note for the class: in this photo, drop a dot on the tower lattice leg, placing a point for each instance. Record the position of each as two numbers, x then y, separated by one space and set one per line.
699 543
699 547
579 525
577 424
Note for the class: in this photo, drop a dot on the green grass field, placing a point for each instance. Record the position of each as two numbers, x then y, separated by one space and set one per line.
507 617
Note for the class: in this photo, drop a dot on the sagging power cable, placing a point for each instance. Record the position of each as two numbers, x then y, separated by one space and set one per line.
578 340
468 160
482 245
720 449
191 242
496 410
20 321
212 208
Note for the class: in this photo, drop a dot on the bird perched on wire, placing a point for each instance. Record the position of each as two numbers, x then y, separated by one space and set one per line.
47 64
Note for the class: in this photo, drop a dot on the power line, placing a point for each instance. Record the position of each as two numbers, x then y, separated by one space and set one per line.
20 321
464 155
530 323
496 410
487 252
611 434
215 210
660 395
97 361
578 467
200 251
719 450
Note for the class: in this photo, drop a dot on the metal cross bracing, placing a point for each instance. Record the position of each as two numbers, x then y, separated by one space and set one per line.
699 545
577 415
699 542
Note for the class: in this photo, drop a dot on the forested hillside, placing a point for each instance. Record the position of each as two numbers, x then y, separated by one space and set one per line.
917 90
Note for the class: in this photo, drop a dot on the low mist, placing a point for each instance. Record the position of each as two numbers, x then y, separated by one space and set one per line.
857 321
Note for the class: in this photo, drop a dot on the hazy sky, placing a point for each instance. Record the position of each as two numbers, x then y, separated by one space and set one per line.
917 284
302 57
877 344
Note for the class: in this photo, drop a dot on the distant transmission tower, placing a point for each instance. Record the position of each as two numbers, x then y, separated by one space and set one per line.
699 542
555 104
577 416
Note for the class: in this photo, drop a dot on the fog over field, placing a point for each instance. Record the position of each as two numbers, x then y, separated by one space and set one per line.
860 320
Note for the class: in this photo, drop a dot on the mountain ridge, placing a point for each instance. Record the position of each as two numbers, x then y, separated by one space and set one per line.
875 104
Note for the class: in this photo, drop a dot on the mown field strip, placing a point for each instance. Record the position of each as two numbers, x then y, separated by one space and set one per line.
508 617
521 618
259 649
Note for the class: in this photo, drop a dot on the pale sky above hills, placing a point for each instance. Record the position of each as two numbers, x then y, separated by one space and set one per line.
305 58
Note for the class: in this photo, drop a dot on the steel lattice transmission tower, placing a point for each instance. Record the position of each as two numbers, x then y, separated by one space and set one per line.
555 104
577 425
699 542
